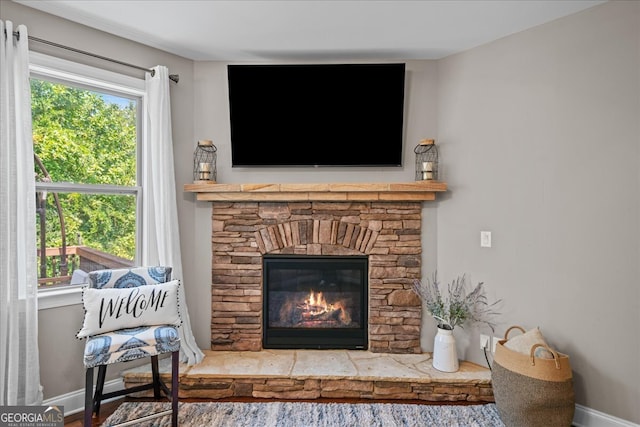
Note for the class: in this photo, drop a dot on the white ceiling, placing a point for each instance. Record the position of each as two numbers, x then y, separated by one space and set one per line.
311 30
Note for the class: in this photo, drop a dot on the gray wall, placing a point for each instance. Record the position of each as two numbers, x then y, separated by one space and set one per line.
540 141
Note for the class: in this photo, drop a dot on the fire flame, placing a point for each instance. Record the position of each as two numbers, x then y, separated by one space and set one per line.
316 303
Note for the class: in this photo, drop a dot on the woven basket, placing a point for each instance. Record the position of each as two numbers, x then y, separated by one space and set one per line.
530 391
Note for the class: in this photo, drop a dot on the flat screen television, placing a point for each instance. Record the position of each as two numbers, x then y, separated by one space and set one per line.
316 115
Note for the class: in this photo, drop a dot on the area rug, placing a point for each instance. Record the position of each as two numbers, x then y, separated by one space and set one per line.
309 414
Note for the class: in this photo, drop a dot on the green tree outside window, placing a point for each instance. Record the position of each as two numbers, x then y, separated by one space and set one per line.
85 137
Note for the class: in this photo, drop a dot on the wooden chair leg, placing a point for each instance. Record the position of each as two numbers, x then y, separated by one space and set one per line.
155 375
175 361
88 397
97 398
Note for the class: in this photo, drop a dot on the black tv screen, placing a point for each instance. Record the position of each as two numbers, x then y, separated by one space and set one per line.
316 115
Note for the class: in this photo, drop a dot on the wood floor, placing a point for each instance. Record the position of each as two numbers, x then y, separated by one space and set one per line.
106 409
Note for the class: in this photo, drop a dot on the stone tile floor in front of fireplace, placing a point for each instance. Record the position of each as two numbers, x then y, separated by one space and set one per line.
309 374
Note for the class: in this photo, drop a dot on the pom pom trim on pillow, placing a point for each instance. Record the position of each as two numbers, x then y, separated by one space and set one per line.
110 309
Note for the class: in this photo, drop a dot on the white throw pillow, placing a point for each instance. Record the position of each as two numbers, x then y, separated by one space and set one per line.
110 309
523 343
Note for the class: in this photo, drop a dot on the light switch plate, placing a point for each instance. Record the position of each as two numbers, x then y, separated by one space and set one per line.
485 239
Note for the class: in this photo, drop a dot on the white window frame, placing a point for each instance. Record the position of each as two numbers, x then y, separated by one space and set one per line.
55 69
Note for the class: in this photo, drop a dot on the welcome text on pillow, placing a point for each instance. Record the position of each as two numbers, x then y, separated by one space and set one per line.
135 304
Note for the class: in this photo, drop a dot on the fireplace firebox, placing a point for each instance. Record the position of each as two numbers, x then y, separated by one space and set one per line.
315 302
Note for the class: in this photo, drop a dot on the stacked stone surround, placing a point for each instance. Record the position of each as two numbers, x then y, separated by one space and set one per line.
389 233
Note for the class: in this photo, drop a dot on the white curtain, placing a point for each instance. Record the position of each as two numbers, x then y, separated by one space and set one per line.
160 234
19 362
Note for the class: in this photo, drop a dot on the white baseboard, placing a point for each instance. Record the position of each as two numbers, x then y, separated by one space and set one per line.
587 417
73 402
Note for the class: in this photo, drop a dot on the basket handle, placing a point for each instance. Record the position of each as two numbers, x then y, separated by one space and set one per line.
506 334
556 358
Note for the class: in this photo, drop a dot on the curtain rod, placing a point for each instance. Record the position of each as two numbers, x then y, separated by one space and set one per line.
172 77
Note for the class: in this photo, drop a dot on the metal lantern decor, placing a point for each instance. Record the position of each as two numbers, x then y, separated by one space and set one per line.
204 162
426 160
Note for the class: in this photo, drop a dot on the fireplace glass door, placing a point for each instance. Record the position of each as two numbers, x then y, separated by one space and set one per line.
315 302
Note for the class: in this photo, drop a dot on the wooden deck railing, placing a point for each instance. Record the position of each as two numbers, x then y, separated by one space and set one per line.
78 257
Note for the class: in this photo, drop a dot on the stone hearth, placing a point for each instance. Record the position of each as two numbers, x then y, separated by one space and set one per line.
323 374
389 233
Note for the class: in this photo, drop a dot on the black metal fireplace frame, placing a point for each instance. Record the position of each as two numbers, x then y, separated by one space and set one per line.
309 338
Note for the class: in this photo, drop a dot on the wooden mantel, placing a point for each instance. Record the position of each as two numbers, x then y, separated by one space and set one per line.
390 192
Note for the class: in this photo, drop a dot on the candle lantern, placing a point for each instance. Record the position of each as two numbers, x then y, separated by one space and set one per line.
204 162
426 160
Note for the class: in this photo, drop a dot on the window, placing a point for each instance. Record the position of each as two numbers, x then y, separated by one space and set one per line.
87 132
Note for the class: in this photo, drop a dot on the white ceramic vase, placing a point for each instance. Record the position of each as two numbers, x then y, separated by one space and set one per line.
445 355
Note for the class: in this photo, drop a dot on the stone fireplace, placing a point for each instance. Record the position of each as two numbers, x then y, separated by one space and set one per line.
378 223
386 234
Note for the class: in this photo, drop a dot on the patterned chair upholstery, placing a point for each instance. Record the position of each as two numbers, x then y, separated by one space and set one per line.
130 344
